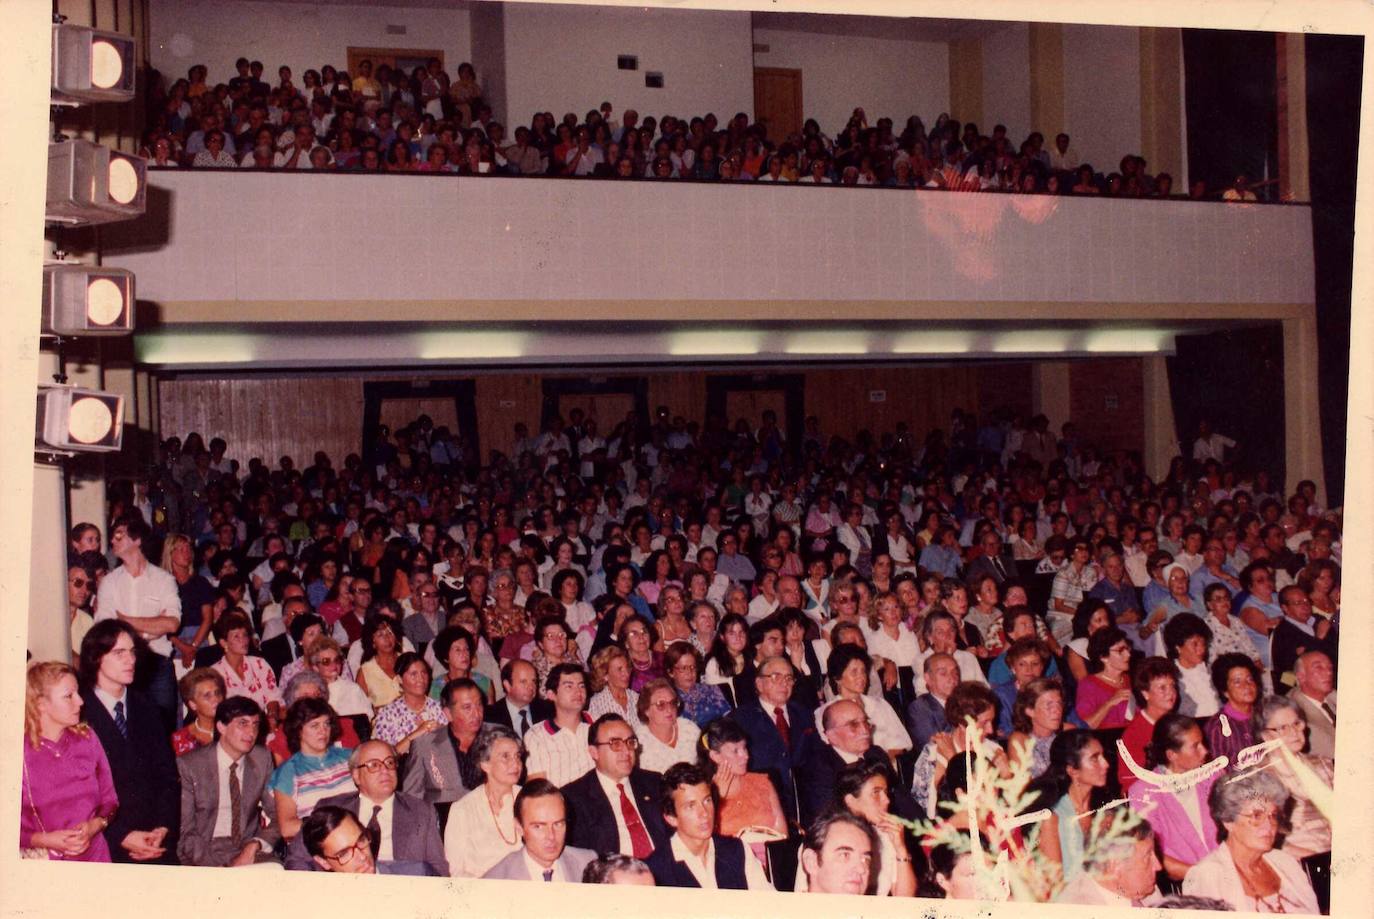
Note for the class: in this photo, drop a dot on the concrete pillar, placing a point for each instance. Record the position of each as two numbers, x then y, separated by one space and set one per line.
1047 78
49 632
1050 392
1161 102
966 81
1294 177
1301 408
1161 435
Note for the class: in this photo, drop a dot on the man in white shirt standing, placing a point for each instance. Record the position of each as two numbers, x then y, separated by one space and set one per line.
145 597
1210 445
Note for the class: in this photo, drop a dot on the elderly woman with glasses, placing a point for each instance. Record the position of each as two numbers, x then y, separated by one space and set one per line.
701 702
1309 833
665 737
610 683
347 697
1246 871
481 827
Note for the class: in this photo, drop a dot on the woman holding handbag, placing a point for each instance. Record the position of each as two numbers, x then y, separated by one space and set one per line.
68 792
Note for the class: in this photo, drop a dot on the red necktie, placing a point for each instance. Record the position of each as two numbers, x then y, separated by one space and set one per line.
781 722
639 837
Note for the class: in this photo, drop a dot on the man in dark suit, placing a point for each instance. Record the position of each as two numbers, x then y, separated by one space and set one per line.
848 739
230 773
780 730
615 806
130 728
542 815
281 649
995 562
520 709
401 828
339 843
696 856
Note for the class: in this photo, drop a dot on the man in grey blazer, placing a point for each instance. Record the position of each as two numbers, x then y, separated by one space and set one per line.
1316 696
402 828
232 771
441 769
542 815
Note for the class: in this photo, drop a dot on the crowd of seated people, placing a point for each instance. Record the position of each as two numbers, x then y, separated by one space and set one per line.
422 121
703 657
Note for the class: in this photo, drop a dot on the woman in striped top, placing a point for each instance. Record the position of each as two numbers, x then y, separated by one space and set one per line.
318 767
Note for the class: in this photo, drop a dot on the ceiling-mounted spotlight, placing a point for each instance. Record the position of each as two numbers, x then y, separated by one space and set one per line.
89 184
75 420
83 300
89 65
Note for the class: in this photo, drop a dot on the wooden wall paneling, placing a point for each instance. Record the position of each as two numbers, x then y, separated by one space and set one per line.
503 400
397 413
609 409
1107 402
751 405
1004 385
684 392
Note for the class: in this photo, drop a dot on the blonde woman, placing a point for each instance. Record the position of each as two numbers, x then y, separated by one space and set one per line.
196 594
68 792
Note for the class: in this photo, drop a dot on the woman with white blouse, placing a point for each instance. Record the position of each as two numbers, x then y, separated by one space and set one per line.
665 737
847 672
481 826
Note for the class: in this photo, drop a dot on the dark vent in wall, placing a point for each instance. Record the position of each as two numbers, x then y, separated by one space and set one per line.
627 62
653 79
395 30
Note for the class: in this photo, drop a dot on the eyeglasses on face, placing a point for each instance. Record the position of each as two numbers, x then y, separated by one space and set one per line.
673 704
374 766
620 744
363 844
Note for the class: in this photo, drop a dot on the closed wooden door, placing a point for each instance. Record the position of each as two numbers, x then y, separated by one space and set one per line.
778 101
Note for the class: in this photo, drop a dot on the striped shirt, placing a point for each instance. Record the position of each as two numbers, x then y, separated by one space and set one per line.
309 779
558 754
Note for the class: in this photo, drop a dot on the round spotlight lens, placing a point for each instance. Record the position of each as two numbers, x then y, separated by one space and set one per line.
123 180
107 65
104 301
89 421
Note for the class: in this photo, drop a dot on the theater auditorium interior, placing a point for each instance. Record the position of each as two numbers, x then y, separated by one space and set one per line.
355 318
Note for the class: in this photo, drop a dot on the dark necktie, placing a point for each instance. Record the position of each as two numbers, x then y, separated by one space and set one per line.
548 875
121 723
1330 713
235 800
997 564
374 829
639 837
524 721
781 721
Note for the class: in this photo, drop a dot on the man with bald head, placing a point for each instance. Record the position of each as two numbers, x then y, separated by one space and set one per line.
848 736
780 729
1316 696
402 828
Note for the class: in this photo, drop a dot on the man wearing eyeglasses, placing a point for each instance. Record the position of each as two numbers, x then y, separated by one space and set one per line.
780 729
338 843
615 806
427 621
848 739
401 828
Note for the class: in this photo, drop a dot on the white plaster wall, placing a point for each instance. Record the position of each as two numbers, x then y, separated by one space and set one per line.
1006 81
300 35
393 238
888 77
563 59
1101 93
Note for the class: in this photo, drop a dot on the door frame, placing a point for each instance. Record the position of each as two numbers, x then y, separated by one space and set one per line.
555 387
463 393
798 95
793 386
